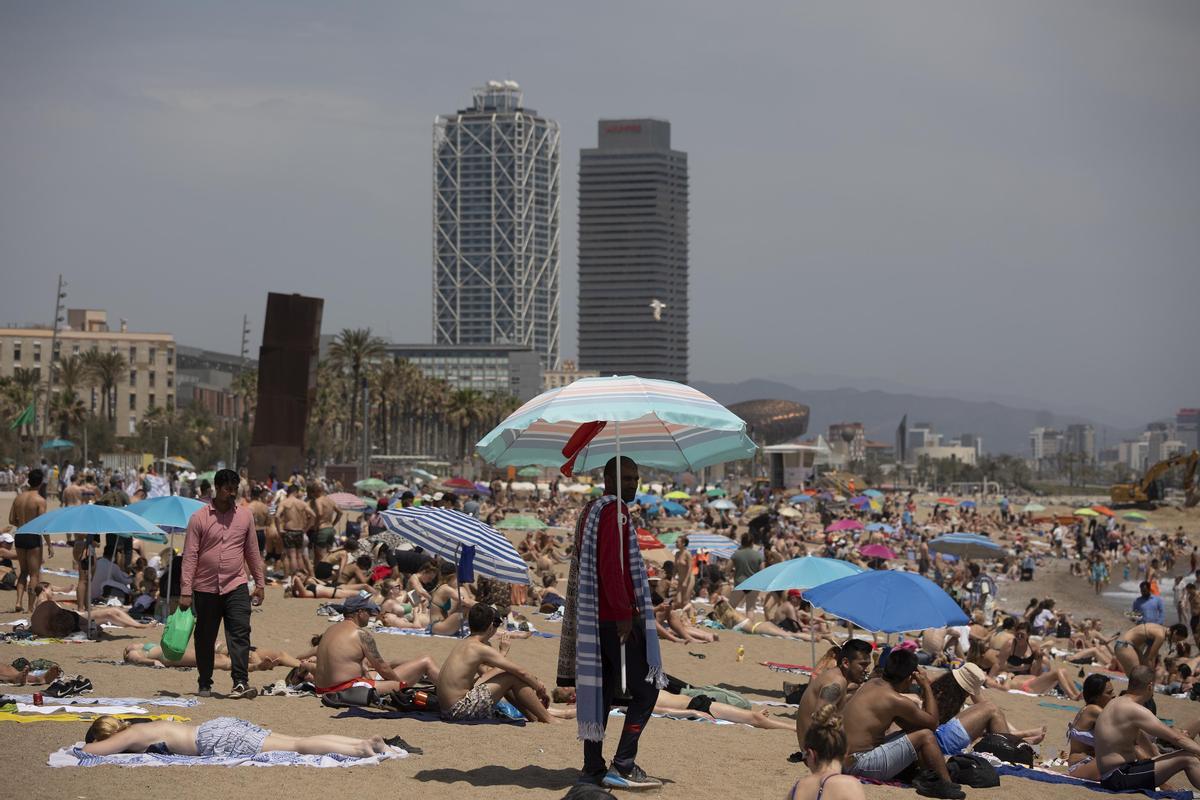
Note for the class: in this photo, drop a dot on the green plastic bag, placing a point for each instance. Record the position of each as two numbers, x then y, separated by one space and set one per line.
177 633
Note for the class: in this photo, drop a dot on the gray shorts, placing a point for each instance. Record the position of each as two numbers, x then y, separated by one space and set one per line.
885 761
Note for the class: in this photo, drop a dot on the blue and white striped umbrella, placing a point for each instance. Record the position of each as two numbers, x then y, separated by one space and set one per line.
715 544
660 424
442 532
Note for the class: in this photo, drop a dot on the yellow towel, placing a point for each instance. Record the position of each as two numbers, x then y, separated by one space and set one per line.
9 716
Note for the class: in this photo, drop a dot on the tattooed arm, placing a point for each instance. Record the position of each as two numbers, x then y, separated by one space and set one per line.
371 656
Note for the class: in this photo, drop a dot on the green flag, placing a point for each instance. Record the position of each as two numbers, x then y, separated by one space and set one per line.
26 417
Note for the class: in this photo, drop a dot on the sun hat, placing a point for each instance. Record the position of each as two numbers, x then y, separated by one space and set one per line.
970 678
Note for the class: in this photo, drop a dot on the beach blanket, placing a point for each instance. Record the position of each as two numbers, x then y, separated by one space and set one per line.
420 716
425 633
75 757
798 669
92 700
10 716
683 716
1059 706
28 708
116 662
1046 776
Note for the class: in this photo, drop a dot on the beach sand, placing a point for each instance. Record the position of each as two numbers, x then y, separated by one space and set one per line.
695 759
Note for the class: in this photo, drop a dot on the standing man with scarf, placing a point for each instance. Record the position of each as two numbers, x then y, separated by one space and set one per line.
608 611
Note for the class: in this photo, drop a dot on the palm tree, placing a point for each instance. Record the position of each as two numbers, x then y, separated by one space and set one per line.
463 411
352 351
107 369
245 386
68 411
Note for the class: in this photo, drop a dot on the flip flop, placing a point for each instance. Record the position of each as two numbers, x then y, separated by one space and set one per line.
700 656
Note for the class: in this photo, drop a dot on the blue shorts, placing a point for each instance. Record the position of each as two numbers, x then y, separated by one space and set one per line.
952 737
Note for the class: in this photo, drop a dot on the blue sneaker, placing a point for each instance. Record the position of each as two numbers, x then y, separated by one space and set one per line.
634 778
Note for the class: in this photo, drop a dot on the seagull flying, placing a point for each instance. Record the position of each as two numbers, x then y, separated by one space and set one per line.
657 306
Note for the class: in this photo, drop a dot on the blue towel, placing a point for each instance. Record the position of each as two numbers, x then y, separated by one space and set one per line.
1054 777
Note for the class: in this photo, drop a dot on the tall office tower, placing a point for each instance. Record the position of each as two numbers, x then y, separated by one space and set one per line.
633 252
496 224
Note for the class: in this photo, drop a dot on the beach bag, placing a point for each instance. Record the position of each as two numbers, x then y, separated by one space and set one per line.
1005 748
177 633
972 770
355 696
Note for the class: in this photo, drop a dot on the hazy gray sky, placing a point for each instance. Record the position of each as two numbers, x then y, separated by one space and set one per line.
994 198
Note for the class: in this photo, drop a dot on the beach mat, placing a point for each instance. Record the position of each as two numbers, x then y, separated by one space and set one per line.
92 700
9 716
421 716
1045 776
426 634
797 669
75 757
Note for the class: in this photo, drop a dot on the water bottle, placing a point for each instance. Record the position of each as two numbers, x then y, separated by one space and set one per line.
741 653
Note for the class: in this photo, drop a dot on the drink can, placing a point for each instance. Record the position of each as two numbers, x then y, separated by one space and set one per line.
37 698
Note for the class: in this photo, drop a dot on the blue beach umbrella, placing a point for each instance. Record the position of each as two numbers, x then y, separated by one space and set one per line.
443 533
57 444
887 601
881 526
967 545
172 511
875 493
967 504
673 509
798 573
799 498
647 499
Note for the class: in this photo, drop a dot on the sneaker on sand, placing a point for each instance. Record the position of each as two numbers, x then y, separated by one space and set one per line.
634 778
242 692
944 790
204 693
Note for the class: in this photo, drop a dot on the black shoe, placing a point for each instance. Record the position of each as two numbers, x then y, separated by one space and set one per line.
242 692
204 691
396 741
944 790
81 685
591 778
62 687
634 778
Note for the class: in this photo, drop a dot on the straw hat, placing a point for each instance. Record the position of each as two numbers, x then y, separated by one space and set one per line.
970 677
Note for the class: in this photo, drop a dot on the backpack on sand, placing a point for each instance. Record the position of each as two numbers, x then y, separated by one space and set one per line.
972 770
1006 748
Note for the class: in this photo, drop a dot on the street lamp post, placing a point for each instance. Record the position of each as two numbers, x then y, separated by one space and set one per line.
58 320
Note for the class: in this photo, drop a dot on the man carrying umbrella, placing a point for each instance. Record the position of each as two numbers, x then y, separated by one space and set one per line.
220 544
609 641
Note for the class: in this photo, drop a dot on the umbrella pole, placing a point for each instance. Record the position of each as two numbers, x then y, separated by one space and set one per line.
620 532
166 609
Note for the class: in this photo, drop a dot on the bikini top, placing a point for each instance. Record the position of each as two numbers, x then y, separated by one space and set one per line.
1085 738
820 787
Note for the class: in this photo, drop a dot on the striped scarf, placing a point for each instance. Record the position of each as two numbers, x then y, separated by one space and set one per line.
581 629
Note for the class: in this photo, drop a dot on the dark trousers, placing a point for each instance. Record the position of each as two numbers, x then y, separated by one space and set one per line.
233 608
644 695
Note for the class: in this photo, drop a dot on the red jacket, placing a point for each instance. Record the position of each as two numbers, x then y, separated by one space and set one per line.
615 592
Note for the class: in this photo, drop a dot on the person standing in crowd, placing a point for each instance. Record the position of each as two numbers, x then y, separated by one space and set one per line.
219 546
609 624
30 547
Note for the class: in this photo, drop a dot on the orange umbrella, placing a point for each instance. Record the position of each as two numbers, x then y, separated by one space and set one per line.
1105 510
648 541
947 501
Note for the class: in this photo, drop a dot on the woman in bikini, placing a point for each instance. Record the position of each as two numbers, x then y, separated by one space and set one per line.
298 588
1098 689
445 612
1019 656
824 750
735 620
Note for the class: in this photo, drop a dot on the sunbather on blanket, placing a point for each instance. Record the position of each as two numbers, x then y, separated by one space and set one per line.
701 705
150 654
465 695
52 620
226 737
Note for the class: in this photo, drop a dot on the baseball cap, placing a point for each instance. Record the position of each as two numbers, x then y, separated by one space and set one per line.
360 602
793 592
7 538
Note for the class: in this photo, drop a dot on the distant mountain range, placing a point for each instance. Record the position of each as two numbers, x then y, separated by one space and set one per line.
1004 429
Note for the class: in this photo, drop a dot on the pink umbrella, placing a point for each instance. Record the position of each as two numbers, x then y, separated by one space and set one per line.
844 525
348 502
877 551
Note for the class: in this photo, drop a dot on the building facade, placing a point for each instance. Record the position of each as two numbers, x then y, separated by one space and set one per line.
633 252
1045 443
565 375
148 380
856 448
1187 427
1081 440
496 225
205 380
485 368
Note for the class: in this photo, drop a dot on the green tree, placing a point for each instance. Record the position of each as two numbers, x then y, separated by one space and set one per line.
352 352
107 370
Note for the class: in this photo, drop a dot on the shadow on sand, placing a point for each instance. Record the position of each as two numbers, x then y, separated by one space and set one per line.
527 777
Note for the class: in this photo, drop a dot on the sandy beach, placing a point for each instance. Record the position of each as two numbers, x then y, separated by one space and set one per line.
694 758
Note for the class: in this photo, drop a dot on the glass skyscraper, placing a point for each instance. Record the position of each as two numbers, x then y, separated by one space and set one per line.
496 225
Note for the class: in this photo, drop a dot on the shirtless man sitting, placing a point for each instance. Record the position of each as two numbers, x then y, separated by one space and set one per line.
834 686
345 646
879 704
1140 645
464 696
1122 725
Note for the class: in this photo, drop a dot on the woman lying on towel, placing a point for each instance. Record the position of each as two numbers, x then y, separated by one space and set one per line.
224 737
1035 684
683 707
150 654
735 620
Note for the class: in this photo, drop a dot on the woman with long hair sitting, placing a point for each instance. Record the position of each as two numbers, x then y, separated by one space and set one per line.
224 737
824 750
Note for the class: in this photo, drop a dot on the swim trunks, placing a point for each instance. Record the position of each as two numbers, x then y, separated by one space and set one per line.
324 538
952 737
27 541
230 737
293 540
886 761
1136 776
475 704
350 684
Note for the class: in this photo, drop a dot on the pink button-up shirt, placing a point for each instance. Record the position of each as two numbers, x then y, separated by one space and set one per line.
217 549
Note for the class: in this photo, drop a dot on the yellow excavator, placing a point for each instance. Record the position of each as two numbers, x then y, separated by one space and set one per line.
1148 491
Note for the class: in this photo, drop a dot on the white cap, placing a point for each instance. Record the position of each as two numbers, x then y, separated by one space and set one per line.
7 538
438 496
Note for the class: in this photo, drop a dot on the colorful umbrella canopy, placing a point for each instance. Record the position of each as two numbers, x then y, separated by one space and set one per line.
458 486
844 525
887 601
178 461
521 522
1134 516
677 495
873 493
648 541
967 504
877 551
1105 510
349 502
673 509
528 472
424 475
647 499
719 546
1033 508
1086 512
722 505
715 492
789 512
371 485
947 501
444 533
881 526
967 545
800 498
57 444
170 512
798 573
862 501
94 519
661 424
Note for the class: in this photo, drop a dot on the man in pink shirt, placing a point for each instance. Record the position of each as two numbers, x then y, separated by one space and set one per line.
220 545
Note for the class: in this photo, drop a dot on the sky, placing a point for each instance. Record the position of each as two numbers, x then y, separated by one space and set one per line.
974 199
